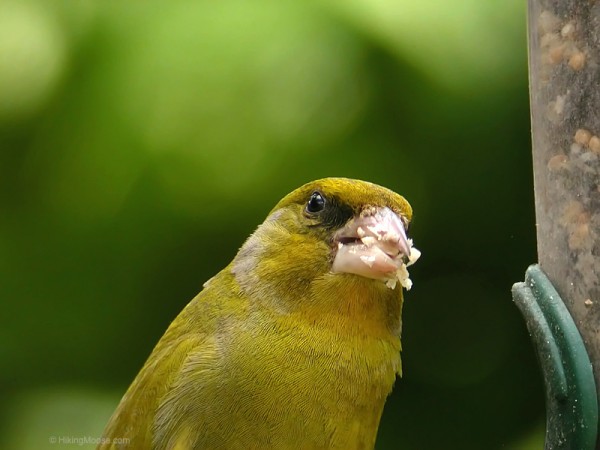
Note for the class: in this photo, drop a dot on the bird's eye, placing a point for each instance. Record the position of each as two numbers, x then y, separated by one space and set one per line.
316 203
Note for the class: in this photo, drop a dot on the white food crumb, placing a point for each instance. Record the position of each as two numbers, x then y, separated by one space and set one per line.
402 274
403 277
369 241
415 254
378 230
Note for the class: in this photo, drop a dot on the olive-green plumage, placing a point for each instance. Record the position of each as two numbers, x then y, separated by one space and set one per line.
276 351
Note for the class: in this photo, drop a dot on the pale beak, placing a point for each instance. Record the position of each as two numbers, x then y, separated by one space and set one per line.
373 245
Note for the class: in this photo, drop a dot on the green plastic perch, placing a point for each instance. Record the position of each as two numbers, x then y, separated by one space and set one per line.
571 404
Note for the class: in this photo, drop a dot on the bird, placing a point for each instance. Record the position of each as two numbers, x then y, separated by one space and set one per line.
295 344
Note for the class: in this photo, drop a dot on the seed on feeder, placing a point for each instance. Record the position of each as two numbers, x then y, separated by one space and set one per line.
588 302
577 61
568 30
594 144
558 162
582 137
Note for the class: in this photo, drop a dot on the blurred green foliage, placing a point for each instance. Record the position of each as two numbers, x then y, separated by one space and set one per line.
141 143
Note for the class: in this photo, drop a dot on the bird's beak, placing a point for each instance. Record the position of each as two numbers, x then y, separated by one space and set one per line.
373 245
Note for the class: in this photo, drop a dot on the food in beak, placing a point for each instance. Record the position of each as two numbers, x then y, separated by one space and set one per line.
374 245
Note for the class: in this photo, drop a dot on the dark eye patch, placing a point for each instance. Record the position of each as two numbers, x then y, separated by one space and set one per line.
336 214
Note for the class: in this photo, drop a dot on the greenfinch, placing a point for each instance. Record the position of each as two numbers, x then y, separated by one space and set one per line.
295 344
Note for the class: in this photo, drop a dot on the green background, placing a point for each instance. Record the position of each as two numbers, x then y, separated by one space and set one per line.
142 142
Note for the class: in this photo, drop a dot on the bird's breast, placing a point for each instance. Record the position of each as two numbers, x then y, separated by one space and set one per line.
309 381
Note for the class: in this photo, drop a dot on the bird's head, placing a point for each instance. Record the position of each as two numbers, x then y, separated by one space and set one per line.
332 236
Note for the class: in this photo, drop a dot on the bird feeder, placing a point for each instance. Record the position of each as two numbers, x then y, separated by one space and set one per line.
560 298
